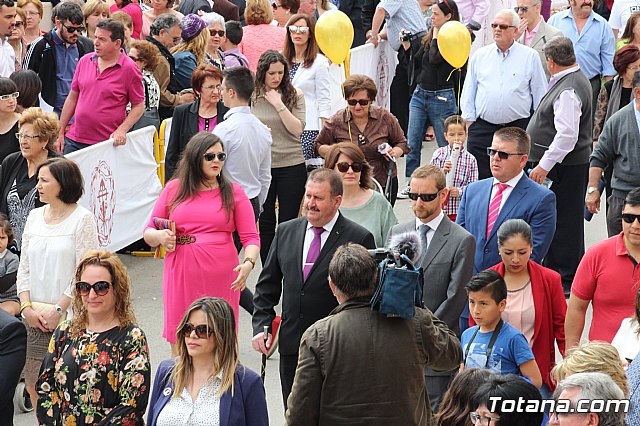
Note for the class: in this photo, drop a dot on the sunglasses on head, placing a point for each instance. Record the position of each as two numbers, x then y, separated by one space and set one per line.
501 26
344 167
216 32
100 287
72 30
209 156
298 30
202 330
630 218
503 155
424 197
354 102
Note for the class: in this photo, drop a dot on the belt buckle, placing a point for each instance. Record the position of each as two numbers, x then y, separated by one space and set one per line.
185 239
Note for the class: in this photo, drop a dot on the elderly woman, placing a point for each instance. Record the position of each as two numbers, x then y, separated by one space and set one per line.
94 11
202 115
8 118
18 174
216 27
146 56
55 238
33 11
16 39
259 35
132 9
359 198
367 126
206 384
283 9
192 52
158 7
97 370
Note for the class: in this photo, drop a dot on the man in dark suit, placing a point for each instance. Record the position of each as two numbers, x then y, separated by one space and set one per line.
447 260
509 194
13 350
297 269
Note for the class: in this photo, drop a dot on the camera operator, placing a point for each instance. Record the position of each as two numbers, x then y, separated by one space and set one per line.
345 359
434 98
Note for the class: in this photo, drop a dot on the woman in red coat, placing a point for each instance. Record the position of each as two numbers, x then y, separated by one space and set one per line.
535 300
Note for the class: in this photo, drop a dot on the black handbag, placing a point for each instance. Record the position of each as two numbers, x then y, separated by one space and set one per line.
151 117
399 288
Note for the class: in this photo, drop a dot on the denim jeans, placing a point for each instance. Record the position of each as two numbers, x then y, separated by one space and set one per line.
432 107
73 146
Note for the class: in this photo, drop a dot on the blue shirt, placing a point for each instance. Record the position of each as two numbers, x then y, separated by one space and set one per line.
501 88
594 46
66 62
633 375
402 14
509 351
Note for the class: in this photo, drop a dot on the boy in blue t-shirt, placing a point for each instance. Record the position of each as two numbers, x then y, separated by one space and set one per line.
493 343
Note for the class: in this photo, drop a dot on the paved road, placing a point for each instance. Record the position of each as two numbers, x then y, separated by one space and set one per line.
146 274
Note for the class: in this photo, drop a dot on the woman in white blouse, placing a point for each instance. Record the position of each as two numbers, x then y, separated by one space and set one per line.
206 384
309 72
627 339
55 238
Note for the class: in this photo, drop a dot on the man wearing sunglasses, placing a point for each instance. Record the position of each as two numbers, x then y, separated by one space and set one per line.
607 277
54 56
505 82
447 260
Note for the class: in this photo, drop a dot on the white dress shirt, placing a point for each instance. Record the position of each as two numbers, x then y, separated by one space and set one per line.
507 191
432 225
309 235
7 59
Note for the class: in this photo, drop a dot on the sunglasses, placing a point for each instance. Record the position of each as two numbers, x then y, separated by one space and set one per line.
503 155
176 39
202 330
275 6
13 95
298 30
630 218
18 24
209 156
73 29
216 32
136 59
101 288
344 167
501 26
524 9
424 197
354 102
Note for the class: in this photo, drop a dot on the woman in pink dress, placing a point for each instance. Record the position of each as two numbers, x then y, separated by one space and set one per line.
201 258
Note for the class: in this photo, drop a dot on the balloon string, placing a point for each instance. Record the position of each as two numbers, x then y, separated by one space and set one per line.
459 89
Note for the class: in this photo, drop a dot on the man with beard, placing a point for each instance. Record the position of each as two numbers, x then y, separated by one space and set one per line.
55 55
447 260
7 55
593 42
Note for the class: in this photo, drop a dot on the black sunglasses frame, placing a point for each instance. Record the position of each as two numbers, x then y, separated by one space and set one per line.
99 287
356 166
427 198
630 217
202 331
209 156
503 155
72 30
362 102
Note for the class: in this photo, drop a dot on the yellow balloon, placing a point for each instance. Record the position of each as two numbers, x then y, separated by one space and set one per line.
454 42
334 34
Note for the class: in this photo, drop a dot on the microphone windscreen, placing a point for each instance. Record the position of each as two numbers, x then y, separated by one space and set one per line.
407 243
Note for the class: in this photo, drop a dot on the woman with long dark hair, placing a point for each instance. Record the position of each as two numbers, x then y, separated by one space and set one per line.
281 107
206 209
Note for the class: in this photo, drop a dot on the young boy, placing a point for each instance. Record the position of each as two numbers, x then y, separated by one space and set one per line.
232 55
455 132
493 343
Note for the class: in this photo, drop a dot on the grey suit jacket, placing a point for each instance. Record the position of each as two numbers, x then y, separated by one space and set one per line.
545 33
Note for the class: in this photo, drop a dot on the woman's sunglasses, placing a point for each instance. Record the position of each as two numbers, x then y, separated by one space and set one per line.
298 30
354 102
218 33
344 167
100 288
202 330
209 156
424 197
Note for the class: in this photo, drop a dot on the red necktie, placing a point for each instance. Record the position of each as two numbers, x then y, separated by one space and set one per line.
314 251
494 207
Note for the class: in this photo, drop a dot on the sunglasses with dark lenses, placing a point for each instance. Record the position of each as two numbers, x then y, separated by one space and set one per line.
18 24
501 26
275 6
101 288
209 156
216 32
630 218
354 102
344 167
73 29
524 9
424 197
202 331
503 155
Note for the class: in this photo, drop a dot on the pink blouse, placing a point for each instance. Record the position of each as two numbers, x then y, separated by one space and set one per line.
520 311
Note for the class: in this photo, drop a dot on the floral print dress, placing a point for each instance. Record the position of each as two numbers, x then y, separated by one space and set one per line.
94 378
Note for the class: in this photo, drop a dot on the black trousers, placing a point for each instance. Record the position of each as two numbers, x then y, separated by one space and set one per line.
614 215
596 84
401 96
288 364
567 246
246 297
480 137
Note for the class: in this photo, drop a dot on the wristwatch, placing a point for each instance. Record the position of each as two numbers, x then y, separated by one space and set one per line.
58 309
592 189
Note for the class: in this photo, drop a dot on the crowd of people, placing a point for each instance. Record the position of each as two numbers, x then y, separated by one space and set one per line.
530 133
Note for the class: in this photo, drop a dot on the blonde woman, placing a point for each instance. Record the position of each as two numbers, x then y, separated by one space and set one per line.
206 384
94 11
259 35
192 51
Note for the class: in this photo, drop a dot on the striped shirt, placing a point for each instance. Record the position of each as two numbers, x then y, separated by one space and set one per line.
466 173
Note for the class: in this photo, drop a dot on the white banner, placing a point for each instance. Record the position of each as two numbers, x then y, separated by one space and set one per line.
121 186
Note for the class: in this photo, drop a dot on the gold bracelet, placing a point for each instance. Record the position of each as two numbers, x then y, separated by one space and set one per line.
248 259
25 305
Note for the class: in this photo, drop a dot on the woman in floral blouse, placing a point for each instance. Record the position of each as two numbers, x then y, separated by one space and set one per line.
97 368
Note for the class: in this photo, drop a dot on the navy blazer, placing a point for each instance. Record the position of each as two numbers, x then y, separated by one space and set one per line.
247 406
528 200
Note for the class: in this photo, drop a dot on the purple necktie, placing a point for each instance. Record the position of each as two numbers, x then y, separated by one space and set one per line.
314 251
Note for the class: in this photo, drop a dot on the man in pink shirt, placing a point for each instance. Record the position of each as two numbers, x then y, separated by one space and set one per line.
103 84
608 277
